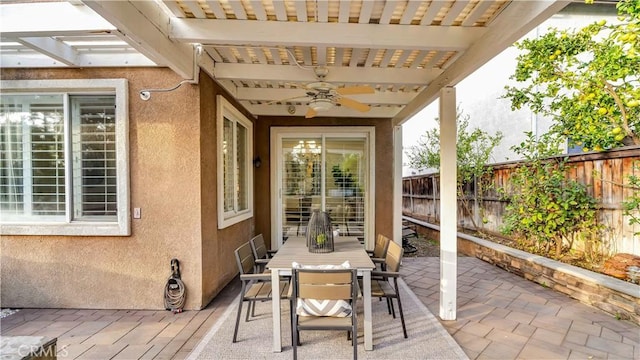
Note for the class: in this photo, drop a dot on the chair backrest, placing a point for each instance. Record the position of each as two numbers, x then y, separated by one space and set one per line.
258 247
325 284
394 256
381 245
244 259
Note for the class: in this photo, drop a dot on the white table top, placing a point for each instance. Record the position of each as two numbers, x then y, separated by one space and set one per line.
346 248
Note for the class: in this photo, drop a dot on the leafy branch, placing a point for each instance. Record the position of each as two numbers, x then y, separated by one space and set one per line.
474 148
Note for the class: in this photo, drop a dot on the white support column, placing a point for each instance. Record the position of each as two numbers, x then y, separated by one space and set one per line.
448 205
397 183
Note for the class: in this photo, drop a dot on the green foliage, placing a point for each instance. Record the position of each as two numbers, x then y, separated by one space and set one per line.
544 206
473 148
631 204
588 80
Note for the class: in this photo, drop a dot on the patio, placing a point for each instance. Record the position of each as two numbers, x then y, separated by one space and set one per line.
501 316
176 70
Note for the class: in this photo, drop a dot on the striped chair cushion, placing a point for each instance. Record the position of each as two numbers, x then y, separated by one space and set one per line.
314 307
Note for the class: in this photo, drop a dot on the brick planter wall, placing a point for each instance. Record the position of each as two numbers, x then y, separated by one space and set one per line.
616 297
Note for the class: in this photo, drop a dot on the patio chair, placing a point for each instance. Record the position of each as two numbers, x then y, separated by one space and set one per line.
255 286
311 290
379 251
260 252
384 284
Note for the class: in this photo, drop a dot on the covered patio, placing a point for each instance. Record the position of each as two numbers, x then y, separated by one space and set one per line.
502 316
176 69
325 68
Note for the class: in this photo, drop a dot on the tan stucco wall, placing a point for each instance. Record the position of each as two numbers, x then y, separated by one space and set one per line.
383 167
124 272
173 177
218 265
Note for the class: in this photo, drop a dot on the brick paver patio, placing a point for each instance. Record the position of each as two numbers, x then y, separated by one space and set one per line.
503 316
500 316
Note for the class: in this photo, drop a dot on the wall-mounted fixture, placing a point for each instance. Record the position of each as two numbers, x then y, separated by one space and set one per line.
257 162
145 94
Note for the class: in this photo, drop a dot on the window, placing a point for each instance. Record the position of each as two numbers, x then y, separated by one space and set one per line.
63 157
235 146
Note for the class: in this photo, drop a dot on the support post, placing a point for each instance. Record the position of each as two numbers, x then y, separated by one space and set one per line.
397 183
448 204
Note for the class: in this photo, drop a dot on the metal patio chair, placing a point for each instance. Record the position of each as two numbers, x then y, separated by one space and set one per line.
311 287
255 286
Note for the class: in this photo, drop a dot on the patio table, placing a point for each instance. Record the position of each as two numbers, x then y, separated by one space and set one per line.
346 248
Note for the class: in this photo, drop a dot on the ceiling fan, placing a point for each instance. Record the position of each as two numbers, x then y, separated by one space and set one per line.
323 95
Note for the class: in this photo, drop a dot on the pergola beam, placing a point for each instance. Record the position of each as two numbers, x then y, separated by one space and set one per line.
300 110
339 35
54 49
266 94
142 24
288 73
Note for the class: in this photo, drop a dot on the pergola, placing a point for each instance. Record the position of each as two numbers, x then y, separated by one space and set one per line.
344 58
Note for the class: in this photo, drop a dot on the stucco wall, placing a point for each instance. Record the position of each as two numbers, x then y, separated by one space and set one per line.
173 177
124 272
383 167
218 262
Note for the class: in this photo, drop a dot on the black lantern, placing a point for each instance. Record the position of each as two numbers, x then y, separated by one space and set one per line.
319 233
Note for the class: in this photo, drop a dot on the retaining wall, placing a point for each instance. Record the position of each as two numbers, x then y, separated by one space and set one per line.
616 297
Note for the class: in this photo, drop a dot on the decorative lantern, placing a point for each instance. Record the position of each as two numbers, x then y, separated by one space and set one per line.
319 233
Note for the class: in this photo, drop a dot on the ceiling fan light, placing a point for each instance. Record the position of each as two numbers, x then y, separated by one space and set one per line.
320 104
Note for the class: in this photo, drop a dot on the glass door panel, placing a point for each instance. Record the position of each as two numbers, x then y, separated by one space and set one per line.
329 173
345 170
301 183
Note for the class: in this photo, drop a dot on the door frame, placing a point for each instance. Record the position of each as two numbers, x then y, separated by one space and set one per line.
278 133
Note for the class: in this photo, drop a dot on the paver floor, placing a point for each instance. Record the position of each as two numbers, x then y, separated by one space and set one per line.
503 316
120 334
499 316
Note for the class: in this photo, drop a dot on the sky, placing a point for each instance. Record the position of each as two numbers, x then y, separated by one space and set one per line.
478 95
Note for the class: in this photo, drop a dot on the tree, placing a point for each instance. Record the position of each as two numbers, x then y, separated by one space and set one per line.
545 208
474 150
587 81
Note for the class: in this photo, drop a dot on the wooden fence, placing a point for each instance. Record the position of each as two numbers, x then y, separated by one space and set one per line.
605 175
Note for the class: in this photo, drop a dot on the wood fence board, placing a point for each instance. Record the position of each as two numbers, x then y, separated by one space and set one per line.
607 188
617 181
588 176
602 173
597 179
573 171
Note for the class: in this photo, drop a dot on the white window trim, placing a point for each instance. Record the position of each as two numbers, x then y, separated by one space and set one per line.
84 228
225 108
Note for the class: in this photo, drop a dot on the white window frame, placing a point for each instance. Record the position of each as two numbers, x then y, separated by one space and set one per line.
226 110
278 134
120 227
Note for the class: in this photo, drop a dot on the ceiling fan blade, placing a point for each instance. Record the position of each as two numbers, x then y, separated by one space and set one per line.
355 90
357 105
310 113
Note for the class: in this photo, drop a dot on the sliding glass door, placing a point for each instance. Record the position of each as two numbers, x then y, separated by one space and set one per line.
322 170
